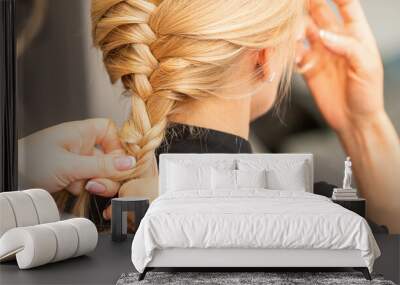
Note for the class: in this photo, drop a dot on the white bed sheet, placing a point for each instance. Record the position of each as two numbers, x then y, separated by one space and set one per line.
251 218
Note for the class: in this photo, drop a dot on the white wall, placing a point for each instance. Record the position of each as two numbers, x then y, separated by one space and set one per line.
384 18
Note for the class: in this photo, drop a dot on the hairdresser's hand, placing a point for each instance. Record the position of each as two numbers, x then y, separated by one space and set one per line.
342 67
141 187
145 186
67 155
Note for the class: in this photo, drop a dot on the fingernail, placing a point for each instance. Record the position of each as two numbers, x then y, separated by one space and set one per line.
124 162
325 35
95 187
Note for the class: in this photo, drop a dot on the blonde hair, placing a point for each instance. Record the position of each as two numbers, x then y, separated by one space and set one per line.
168 52
171 51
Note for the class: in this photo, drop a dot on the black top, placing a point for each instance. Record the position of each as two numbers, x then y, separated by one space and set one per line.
189 139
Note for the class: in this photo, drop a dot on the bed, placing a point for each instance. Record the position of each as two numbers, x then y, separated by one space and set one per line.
246 211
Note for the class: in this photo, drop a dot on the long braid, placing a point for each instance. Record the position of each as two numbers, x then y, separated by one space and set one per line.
121 30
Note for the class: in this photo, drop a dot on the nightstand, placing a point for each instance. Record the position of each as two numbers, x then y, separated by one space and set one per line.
355 205
120 207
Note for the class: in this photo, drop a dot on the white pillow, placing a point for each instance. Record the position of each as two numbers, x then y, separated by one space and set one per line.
292 179
251 178
282 174
181 177
223 179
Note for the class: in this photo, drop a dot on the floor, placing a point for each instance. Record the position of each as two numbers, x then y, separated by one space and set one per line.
103 266
106 264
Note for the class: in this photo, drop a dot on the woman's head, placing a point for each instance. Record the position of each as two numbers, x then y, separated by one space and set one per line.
171 52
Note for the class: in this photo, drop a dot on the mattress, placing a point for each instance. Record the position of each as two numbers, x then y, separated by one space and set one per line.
250 219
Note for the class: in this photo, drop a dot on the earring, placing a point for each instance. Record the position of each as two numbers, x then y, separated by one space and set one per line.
271 77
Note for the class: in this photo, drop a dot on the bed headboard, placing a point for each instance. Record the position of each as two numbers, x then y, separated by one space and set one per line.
215 159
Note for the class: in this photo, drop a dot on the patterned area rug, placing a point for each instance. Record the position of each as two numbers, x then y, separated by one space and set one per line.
243 278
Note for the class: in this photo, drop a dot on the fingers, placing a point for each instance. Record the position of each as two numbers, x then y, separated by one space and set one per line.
107 135
341 45
88 133
107 213
102 187
307 66
140 187
323 28
76 187
307 57
106 166
312 32
354 17
351 11
323 15
131 225
345 46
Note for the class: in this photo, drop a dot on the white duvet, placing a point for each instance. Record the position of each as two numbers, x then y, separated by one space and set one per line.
250 218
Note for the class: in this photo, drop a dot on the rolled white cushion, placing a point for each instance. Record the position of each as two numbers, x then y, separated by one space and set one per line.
7 218
45 205
33 246
23 208
37 245
87 235
66 238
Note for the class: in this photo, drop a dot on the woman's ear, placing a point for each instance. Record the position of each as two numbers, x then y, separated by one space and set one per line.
262 67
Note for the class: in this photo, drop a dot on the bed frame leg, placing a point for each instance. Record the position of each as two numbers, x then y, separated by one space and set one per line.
143 274
364 271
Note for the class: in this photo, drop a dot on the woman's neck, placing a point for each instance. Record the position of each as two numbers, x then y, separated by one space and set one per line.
226 115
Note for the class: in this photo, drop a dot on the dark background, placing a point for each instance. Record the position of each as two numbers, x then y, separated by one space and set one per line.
8 147
52 82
